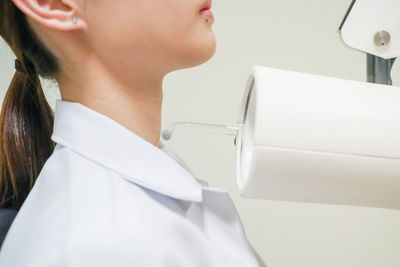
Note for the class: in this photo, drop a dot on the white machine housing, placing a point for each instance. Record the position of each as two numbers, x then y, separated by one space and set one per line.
309 138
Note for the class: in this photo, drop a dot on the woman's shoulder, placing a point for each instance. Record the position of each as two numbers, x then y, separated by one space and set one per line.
82 178
97 199
81 207
91 187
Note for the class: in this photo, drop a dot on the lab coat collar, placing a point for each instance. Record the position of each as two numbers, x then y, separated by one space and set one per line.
103 140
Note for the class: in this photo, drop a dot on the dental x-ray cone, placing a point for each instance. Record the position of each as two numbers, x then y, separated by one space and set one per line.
309 138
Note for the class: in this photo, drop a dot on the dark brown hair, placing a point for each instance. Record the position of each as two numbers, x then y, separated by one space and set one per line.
26 119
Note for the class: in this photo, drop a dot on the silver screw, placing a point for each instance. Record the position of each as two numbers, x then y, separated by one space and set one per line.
382 38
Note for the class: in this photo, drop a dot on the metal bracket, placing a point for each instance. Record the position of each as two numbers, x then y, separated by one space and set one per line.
378 69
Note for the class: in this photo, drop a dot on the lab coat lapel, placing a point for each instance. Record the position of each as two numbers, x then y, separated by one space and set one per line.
106 142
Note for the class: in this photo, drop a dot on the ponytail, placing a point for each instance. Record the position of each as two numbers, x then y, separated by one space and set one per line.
26 123
26 119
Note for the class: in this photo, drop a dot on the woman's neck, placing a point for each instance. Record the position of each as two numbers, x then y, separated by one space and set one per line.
134 102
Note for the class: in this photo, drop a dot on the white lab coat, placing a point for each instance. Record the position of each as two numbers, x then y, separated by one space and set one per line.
107 197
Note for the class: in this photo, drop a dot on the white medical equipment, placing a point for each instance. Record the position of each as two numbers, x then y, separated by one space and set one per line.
308 138
317 139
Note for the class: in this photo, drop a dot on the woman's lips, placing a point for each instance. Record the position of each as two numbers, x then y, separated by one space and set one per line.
207 13
206 5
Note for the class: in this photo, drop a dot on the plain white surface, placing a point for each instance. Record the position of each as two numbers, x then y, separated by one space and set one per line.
100 201
287 34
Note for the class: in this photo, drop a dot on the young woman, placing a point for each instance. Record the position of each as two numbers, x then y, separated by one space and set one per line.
93 185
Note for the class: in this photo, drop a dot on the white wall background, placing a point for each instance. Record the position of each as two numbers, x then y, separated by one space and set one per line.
288 34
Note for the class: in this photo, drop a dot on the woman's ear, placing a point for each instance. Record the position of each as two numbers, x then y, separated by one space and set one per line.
61 15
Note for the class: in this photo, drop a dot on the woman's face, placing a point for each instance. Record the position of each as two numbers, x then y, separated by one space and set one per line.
161 34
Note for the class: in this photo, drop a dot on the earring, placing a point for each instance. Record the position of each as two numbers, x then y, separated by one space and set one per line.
74 20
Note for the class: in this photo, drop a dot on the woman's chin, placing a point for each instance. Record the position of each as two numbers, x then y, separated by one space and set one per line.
210 52
194 52
206 48
204 55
